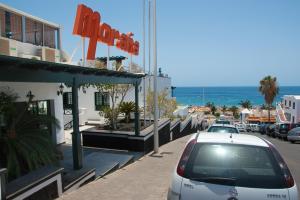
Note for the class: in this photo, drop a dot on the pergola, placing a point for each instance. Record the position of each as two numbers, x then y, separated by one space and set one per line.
14 69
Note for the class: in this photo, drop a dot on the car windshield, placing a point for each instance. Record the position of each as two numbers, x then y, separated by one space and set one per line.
247 166
284 126
222 129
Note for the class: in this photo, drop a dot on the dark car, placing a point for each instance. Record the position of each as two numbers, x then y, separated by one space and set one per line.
294 125
262 128
270 130
282 130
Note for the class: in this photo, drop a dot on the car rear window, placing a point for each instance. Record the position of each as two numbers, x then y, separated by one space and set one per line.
222 129
222 122
249 166
283 126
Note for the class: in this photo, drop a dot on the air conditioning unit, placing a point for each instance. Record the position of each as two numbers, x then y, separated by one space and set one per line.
8 47
31 57
49 54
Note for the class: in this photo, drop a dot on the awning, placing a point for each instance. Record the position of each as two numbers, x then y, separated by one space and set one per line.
14 69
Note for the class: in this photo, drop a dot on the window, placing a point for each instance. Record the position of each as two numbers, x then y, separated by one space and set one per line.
34 32
290 103
222 129
285 102
101 100
49 36
293 119
294 105
67 100
38 107
11 25
2 23
251 166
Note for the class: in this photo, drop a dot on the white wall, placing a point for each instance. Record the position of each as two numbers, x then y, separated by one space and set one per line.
41 91
86 100
289 109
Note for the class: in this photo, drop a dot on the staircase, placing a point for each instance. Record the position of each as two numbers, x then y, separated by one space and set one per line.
97 164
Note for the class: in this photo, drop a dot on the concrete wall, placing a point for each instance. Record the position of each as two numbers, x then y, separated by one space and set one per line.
41 91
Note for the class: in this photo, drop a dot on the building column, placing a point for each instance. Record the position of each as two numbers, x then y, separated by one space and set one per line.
3 183
58 45
43 36
76 136
136 114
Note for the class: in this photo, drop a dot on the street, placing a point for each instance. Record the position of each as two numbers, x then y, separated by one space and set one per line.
149 178
289 152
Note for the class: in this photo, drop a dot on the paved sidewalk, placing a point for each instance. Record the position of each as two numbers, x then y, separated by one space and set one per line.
147 178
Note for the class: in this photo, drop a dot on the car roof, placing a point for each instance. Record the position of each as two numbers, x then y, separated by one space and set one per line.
244 139
223 125
295 129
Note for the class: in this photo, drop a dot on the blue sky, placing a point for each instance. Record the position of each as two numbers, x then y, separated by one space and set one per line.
200 42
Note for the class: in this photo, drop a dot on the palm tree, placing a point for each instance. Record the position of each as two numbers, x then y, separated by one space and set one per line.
246 104
224 109
25 141
209 104
213 109
269 89
234 111
127 108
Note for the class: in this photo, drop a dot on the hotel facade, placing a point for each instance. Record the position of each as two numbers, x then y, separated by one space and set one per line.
30 37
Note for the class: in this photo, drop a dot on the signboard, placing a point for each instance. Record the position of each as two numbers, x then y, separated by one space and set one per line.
88 24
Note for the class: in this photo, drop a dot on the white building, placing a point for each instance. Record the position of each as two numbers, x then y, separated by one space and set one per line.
91 100
290 106
26 36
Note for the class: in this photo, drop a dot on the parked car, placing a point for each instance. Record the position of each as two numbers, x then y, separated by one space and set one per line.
222 128
262 128
248 128
240 127
294 125
281 130
243 167
294 135
254 127
270 130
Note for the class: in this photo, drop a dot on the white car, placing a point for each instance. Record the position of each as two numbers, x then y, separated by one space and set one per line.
231 167
241 127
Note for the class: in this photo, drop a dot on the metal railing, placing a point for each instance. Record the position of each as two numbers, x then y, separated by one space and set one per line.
68 125
3 172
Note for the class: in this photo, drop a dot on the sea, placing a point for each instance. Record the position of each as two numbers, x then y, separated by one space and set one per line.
228 96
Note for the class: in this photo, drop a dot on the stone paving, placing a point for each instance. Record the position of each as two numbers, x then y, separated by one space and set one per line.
148 178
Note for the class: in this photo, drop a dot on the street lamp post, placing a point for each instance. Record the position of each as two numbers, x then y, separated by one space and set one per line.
149 51
156 142
144 57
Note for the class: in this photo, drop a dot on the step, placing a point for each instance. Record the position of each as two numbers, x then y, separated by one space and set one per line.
73 179
102 163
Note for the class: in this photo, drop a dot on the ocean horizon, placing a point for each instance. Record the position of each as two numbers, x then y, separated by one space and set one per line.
227 95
